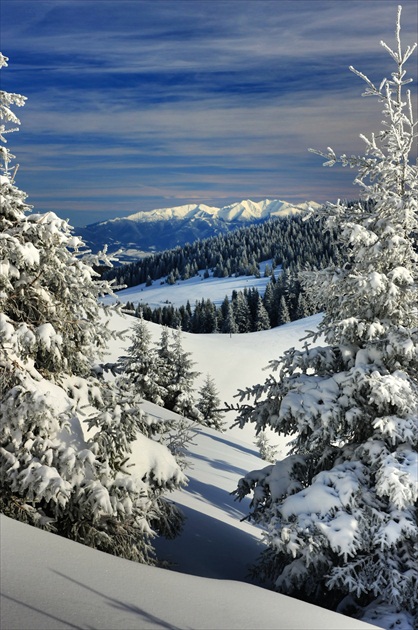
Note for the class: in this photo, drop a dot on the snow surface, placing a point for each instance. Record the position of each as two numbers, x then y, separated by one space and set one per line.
49 582
194 289
233 361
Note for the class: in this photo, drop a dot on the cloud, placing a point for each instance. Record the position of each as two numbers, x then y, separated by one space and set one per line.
220 35
131 103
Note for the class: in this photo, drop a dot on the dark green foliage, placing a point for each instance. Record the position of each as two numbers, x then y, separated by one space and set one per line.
290 242
246 311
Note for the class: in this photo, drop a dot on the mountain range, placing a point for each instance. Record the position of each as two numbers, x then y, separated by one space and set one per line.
144 233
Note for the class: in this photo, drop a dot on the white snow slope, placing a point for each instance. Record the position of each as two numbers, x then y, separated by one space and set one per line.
48 582
194 289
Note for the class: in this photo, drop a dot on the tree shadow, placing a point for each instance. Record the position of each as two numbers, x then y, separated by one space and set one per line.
210 548
220 464
43 612
122 606
218 497
232 444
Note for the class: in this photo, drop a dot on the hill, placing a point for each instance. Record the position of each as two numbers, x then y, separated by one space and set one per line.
143 233
51 583
277 249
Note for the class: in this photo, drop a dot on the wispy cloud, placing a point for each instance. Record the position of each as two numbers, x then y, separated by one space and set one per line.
135 103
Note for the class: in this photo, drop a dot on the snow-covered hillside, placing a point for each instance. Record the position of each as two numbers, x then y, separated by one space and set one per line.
234 361
192 289
50 582
165 228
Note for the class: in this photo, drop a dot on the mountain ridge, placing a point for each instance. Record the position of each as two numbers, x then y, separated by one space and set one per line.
143 233
245 210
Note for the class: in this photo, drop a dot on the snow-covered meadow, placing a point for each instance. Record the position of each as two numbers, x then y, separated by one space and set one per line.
50 582
194 289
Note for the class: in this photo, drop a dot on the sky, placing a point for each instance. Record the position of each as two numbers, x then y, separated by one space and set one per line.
142 104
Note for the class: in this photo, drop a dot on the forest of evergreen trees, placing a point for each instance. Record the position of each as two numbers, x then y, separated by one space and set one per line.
294 244
245 311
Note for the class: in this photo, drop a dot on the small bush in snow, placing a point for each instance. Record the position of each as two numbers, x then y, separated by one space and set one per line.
267 451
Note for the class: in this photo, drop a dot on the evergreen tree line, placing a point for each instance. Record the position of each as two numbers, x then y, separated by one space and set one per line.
284 301
290 242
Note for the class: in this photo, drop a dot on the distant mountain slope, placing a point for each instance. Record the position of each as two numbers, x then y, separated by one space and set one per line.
165 228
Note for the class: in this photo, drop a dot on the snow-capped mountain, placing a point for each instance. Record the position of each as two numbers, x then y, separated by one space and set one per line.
165 228
241 211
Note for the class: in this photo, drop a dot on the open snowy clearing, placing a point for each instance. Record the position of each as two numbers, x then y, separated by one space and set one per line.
194 289
235 362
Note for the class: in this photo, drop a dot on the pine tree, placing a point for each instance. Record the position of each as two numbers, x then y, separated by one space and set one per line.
262 320
269 302
341 511
209 405
229 325
302 309
65 432
267 451
180 390
163 363
140 367
175 375
209 322
241 312
283 316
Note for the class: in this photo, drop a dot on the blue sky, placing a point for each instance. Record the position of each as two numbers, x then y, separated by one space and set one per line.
134 105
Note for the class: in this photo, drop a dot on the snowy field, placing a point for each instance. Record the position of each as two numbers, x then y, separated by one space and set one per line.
194 289
52 583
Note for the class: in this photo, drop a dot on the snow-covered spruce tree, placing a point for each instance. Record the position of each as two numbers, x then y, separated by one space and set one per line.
163 361
52 472
180 385
267 451
262 320
209 405
140 366
229 325
340 512
144 370
283 316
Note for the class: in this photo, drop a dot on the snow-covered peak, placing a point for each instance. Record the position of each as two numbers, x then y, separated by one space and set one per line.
241 211
248 210
188 211
245 210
